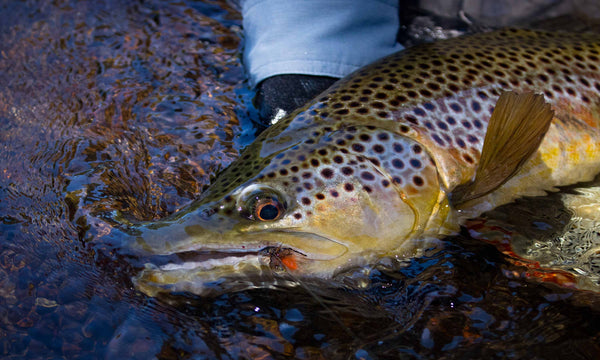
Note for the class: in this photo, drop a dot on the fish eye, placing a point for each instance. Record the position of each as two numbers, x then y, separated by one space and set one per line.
267 209
261 203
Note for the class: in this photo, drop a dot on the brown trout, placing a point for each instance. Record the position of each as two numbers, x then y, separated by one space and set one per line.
394 155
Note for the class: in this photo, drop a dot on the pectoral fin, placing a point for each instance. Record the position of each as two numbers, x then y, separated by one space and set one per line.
515 131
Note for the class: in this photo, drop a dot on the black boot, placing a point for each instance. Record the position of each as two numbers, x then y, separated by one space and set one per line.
282 94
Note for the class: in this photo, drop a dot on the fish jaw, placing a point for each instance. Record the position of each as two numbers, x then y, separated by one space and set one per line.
193 252
217 272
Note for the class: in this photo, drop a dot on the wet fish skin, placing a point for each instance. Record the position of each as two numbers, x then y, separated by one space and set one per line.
367 168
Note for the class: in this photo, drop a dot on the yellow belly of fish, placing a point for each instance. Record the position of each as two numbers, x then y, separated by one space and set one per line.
569 154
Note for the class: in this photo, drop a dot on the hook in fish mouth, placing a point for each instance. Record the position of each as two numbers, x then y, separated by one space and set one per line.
215 272
178 260
272 256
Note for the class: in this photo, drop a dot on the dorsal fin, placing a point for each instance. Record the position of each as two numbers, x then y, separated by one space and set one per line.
515 131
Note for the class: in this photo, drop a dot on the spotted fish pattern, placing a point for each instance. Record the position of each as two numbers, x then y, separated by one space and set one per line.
373 160
442 95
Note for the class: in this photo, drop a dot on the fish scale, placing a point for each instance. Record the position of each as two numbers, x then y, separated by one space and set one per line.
448 89
369 167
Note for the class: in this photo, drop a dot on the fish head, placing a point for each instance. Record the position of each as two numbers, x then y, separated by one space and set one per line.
314 205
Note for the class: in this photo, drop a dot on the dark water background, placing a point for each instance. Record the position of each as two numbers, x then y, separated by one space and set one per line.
130 107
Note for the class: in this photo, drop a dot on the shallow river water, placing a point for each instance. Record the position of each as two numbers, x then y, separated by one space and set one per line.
126 109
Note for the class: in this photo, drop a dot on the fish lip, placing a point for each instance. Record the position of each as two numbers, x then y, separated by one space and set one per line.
180 259
203 254
210 261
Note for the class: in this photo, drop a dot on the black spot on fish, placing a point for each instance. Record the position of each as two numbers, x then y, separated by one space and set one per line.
429 106
425 92
367 176
358 147
378 148
398 164
419 112
433 86
327 173
456 107
378 105
346 170
417 180
383 136
438 140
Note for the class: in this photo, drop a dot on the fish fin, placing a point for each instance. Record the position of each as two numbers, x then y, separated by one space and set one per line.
515 131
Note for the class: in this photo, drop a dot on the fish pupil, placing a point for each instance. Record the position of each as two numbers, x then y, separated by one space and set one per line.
269 212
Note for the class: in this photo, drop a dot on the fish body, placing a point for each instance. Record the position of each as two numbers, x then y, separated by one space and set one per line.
372 166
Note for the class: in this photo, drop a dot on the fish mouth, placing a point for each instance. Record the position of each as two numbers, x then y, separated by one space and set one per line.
207 260
216 269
